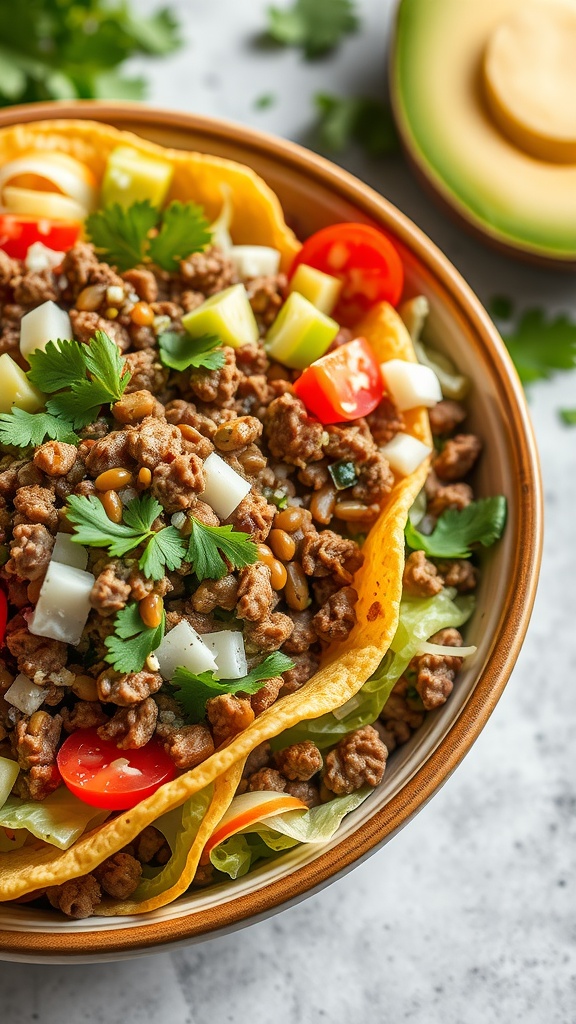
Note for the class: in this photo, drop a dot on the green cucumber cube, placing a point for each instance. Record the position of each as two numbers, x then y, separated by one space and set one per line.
227 314
300 333
322 290
131 177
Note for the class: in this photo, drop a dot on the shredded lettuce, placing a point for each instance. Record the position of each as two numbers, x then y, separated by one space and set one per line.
236 855
179 828
59 819
9 771
419 619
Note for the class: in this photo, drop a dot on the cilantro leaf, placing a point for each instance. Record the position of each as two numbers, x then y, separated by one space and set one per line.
316 26
132 642
192 691
58 366
120 234
180 351
209 543
568 416
81 404
22 429
141 512
481 522
539 347
343 120
164 550
93 527
106 365
67 366
184 230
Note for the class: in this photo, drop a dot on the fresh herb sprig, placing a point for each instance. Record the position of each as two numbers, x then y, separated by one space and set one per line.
123 235
181 352
343 120
208 544
539 345
192 691
132 641
568 416
22 429
314 26
458 530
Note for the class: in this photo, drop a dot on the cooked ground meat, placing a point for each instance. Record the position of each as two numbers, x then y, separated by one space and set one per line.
218 386
385 422
255 594
153 442
451 496
302 635
149 846
147 372
359 759
291 434
35 287
305 665
109 593
127 688
300 761
329 554
266 695
208 272
421 577
36 505
404 705
459 573
119 875
86 324
213 594
255 516
267 779
266 295
435 672
37 739
258 758
228 715
189 745
375 479
38 657
176 483
143 282
77 897
110 452
131 728
307 792
445 416
55 458
337 617
354 444
30 551
37 783
457 457
86 714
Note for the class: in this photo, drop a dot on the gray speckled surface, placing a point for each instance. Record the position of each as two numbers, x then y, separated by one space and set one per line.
467 917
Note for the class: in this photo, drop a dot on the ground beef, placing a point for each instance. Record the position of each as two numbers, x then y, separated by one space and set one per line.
237 433
267 780
129 688
55 458
147 372
305 665
213 594
303 633
404 705
38 783
385 422
445 416
217 386
354 444
300 761
38 657
329 554
9 269
252 359
77 897
119 875
268 635
30 551
208 272
150 845
266 695
307 792
35 287
85 714
375 479
254 515
337 617
315 475
82 267
457 457
36 504
228 715
110 591
258 758
37 739
254 395
451 496
393 733
110 452
143 282
153 441
131 728
359 759
266 295
459 573
255 593
421 577
175 483
189 745
291 434
85 325
9 478
435 672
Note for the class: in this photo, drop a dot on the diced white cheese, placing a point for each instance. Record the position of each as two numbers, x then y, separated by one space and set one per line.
25 695
255 260
411 384
183 646
69 553
39 257
225 488
45 323
227 647
64 603
405 453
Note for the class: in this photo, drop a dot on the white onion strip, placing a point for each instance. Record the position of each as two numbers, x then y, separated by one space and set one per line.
442 650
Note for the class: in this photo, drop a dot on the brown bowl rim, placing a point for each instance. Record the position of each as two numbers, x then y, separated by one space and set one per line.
508 636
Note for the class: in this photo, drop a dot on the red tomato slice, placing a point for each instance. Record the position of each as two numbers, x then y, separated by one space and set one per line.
95 770
18 233
364 259
343 385
3 616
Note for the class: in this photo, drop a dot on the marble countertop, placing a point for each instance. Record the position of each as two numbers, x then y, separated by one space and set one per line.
466 917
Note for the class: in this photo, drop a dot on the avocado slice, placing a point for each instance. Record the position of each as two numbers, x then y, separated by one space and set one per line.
448 124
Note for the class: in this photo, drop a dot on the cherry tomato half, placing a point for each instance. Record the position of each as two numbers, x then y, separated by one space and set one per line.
18 233
343 385
364 259
100 774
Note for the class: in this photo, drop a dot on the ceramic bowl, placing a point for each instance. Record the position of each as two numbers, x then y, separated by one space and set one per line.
315 193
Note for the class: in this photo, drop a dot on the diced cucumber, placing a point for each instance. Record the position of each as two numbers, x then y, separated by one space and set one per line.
131 177
16 389
300 333
322 290
227 314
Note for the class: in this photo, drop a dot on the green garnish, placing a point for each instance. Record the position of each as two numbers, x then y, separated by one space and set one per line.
122 234
343 474
22 429
539 346
276 497
481 522
568 416
192 691
132 642
208 544
180 351
59 365
105 384
266 100
164 548
343 120
315 26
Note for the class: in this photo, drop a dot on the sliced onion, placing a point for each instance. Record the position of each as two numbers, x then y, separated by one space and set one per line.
71 178
443 649
248 808
25 695
51 205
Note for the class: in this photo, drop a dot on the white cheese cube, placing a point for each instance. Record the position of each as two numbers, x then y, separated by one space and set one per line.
255 260
411 384
67 552
64 603
183 646
25 695
45 323
225 488
405 453
227 647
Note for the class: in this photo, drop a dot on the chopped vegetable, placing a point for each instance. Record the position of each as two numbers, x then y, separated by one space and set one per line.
539 346
224 488
568 416
132 641
276 497
227 646
40 325
180 351
410 384
122 234
24 202
3 615
184 647
59 819
16 389
227 314
365 261
322 290
414 313
39 257
208 544
183 230
405 453
315 26
248 809
25 695
255 260
441 650
63 606
220 228
457 530
101 775
68 175
22 429
343 473
19 233
131 177
192 690
300 333
9 772
343 385
343 120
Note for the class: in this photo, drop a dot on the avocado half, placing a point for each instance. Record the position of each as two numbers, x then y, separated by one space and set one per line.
516 199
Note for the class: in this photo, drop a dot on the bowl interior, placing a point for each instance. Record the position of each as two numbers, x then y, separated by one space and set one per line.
314 194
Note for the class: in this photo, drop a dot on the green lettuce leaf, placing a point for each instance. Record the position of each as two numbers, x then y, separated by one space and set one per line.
59 819
9 772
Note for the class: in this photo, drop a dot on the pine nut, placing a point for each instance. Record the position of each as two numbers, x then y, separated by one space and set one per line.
322 504
85 688
189 433
290 519
144 477
113 479
278 575
265 555
90 298
282 544
296 593
112 506
142 314
151 609
355 511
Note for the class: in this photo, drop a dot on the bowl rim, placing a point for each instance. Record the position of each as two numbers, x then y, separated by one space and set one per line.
513 622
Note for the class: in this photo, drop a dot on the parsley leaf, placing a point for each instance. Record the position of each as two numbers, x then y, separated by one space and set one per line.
184 230
108 379
132 642
539 346
93 527
58 366
192 691
120 234
316 26
106 365
164 550
568 416
141 512
481 522
209 543
180 351
21 429
343 120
